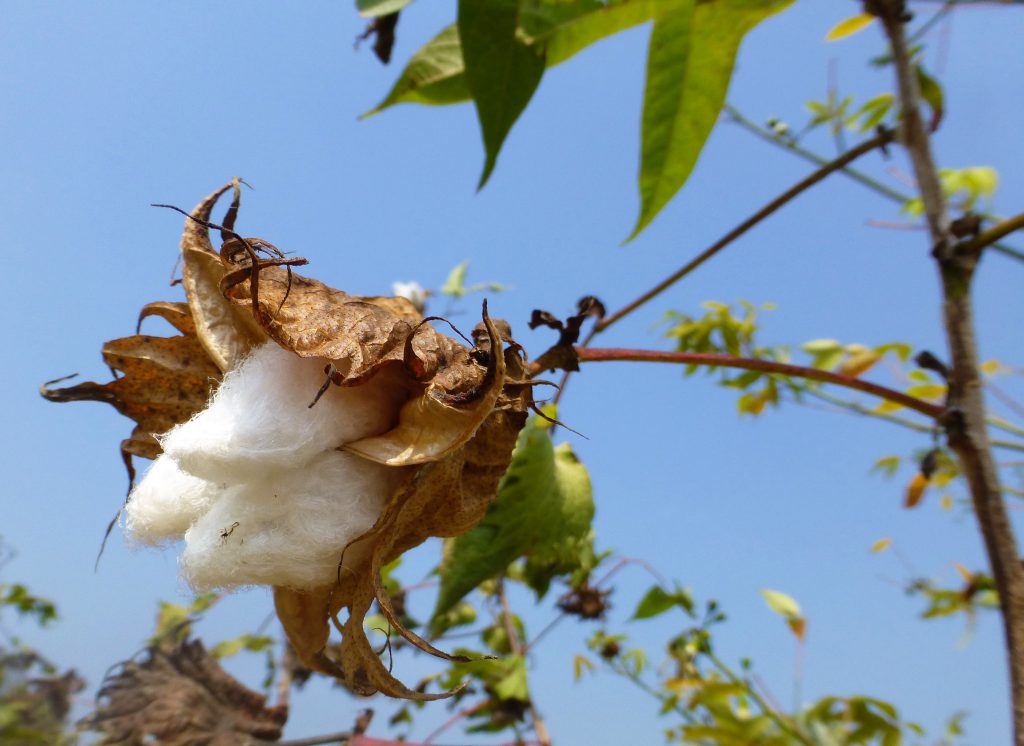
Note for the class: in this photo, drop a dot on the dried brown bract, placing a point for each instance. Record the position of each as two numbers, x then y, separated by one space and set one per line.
182 697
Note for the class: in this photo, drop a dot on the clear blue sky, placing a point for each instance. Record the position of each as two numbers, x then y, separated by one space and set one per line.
109 107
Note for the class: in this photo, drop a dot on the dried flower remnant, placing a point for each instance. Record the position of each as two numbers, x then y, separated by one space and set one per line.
408 440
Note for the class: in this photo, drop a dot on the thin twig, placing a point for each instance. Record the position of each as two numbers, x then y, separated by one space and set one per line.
991 236
860 177
878 141
598 355
460 715
519 648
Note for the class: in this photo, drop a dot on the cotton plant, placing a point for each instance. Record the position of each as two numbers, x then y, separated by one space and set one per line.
302 438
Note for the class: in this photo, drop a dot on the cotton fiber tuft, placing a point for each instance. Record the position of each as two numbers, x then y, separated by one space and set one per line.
289 530
260 421
254 482
167 501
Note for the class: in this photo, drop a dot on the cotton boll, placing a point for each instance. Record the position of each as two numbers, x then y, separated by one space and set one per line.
166 502
260 421
288 530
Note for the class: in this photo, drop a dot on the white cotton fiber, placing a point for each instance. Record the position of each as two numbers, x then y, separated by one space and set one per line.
290 529
260 422
166 502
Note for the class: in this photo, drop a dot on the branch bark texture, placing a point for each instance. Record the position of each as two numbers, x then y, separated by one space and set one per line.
713 359
964 420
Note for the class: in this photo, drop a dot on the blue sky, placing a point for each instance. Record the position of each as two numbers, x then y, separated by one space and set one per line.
109 107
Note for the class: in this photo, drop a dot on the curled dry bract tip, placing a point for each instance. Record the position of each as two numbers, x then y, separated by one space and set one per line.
452 437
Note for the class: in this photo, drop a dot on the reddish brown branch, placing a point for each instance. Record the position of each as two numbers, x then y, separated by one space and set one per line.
599 355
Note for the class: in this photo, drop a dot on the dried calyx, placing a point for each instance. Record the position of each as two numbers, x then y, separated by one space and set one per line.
408 439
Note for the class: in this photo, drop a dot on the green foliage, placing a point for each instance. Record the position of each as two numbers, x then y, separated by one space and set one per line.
174 621
689 65
496 54
503 680
455 284
543 511
433 75
657 601
964 187
502 71
35 700
26 603
713 704
373 8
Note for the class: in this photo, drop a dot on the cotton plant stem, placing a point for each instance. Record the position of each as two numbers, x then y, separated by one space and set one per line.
598 355
878 141
518 647
965 421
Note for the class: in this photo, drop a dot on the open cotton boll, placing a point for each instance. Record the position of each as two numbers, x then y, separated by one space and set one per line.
163 505
259 421
289 530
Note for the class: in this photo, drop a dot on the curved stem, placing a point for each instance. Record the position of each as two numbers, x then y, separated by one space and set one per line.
789 195
599 355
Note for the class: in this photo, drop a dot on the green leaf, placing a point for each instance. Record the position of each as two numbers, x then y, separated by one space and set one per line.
513 685
689 65
434 75
502 71
657 601
566 28
781 604
455 285
374 8
849 26
931 92
544 508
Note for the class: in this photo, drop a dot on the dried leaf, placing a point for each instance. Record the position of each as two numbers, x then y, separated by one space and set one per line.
429 428
915 491
358 335
227 332
442 498
182 697
165 381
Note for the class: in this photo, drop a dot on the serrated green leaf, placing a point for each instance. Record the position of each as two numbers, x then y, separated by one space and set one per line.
374 8
502 70
781 603
544 509
689 66
434 75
